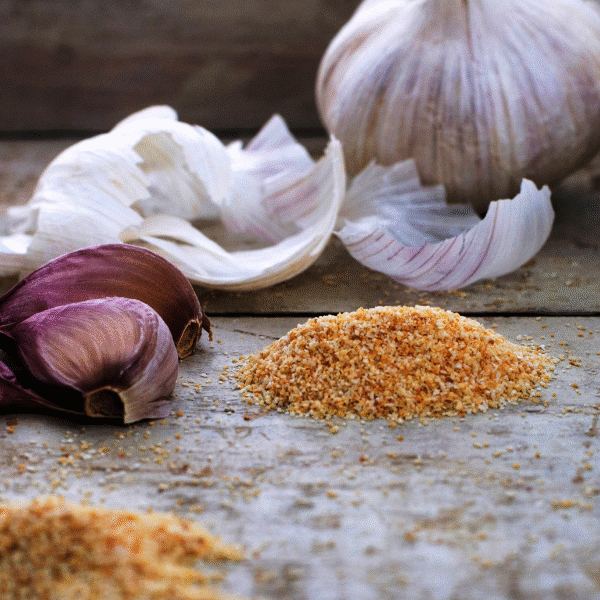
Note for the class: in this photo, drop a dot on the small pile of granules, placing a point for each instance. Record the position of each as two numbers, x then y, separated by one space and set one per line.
51 549
395 363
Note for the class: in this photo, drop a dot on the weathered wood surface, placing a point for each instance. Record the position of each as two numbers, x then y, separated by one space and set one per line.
504 505
76 65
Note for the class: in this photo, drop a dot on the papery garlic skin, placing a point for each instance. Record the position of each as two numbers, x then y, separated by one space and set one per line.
480 93
148 163
117 352
261 170
110 270
168 186
394 225
308 204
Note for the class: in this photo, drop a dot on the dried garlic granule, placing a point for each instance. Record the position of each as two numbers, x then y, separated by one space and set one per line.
57 550
395 363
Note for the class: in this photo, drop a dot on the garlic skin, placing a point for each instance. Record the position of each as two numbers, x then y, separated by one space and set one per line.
394 225
480 93
297 210
280 210
170 187
110 270
116 352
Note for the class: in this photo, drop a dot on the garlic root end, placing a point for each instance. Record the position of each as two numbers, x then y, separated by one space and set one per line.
105 402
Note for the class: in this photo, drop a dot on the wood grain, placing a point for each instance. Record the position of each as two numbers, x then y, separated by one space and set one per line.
502 505
83 65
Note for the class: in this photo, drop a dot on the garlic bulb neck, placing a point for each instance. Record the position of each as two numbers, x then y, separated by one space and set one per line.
444 19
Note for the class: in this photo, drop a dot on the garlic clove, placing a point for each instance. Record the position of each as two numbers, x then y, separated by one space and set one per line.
480 94
311 201
116 352
16 397
110 270
391 224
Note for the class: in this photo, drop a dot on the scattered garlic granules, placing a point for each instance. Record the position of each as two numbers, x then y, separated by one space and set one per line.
395 363
52 549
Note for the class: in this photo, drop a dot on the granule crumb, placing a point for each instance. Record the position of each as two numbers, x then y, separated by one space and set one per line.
51 548
569 503
397 363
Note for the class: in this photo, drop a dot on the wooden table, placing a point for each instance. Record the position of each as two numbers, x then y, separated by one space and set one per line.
503 505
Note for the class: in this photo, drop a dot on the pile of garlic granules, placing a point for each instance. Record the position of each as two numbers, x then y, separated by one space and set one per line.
58 550
395 363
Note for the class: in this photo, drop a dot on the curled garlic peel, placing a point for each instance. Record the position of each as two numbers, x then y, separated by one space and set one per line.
247 217
152 179
480 93
394 225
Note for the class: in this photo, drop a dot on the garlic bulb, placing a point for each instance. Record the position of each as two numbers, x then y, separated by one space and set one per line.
480 93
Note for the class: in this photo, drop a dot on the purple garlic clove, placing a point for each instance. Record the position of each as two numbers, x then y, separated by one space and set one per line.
116 353
110 270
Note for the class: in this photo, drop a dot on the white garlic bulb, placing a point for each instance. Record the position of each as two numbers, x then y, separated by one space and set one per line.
480 93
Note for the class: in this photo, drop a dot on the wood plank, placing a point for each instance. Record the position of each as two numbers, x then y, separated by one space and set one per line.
85 65
564 277
22 163
499 505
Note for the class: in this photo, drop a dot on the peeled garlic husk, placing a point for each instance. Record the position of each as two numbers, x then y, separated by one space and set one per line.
393 224
116 353
297 211
110 270
480 93
257 214
90 192
158 183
